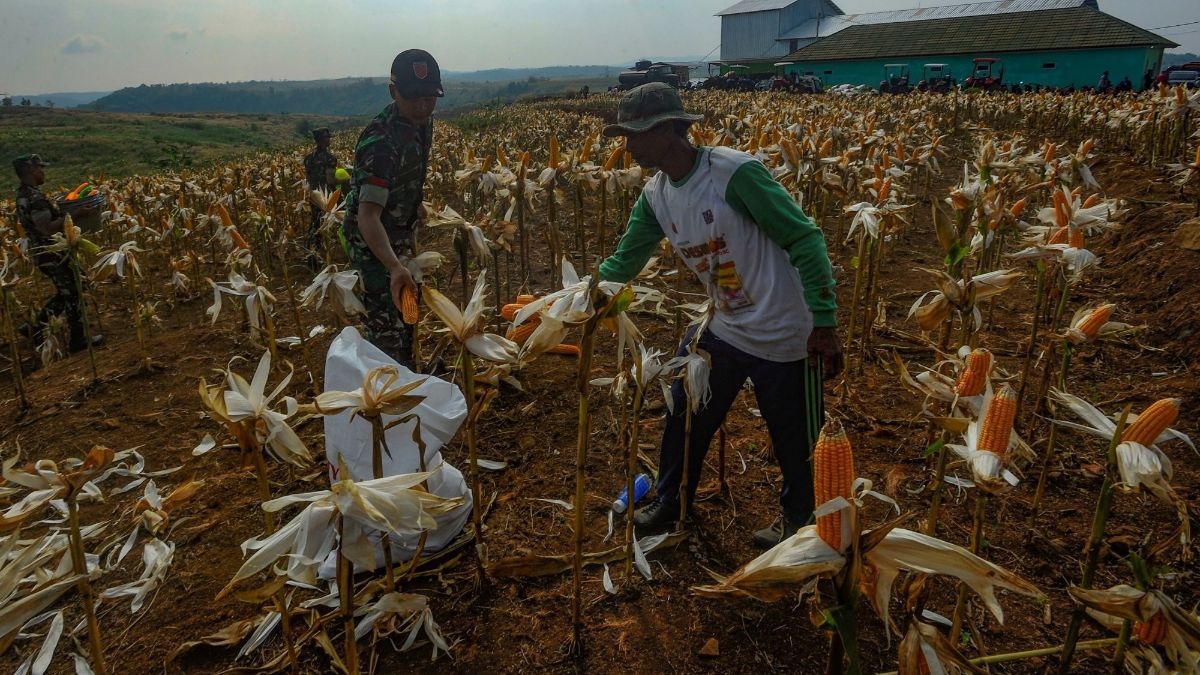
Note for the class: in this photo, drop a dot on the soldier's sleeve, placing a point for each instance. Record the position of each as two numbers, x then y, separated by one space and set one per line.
374 169
38 211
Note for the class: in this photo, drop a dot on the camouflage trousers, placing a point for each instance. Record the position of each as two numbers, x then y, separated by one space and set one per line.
382 325
66 299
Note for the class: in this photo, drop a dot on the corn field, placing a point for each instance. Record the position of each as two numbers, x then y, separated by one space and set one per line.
1005 479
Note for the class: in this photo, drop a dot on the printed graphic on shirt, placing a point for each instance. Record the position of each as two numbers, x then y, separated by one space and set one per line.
730 293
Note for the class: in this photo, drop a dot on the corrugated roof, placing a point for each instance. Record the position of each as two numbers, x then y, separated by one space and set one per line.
1073 28
748 6
828 25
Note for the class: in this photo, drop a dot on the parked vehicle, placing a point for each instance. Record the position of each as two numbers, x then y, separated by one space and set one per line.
936 77
895 79
645 71
1188 78
988 75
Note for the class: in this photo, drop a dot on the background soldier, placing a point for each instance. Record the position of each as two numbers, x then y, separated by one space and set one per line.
319 171
383 209
41 218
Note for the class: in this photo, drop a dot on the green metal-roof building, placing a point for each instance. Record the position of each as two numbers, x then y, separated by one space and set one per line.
1055 43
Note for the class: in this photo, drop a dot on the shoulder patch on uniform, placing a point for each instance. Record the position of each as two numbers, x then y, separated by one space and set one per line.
377 181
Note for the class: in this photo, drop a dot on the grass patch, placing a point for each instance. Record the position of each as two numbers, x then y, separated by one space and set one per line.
83 144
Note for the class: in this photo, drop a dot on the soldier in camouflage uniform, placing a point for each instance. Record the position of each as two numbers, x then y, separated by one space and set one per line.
383 209
319 168
41 218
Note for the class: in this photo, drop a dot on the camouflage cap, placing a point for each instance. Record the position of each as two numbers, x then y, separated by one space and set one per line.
416 74
320 132
27 160
647 106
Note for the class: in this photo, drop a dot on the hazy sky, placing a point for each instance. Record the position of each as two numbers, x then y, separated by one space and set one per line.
56 45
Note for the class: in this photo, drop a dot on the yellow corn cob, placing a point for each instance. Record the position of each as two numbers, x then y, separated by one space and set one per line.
612 158
885 189
1152 632
973 379
408 305
1151 423
238 240
565 349
225 219
1050 150
998 423
501 156
826 147
333 200
521 333
833 473
1091 324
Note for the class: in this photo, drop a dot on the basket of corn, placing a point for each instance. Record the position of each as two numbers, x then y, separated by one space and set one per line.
83 198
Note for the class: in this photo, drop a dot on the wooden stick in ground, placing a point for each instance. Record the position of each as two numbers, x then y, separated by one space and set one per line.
631 465
468 373
345 580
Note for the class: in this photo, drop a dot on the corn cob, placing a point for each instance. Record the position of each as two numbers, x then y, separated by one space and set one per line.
238 240
553 151
521 333
408 305
998 422
973 379
1050 150
565 349
833 472
1075 237
826 147
1092 200
1091 324
333 200
1152 632
225 219
1151 423
1018 208
1059 236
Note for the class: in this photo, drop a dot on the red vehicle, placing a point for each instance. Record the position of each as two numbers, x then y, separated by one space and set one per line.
988 75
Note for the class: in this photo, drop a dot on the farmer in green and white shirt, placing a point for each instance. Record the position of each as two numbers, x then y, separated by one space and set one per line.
766 269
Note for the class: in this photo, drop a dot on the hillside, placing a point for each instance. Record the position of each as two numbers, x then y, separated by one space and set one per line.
346 96
82 144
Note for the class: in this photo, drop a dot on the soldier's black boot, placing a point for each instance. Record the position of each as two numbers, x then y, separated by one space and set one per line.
656 517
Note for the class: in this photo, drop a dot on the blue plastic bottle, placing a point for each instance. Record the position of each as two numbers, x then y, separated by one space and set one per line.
641 485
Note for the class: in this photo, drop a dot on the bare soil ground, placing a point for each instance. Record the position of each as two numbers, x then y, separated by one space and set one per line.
659 625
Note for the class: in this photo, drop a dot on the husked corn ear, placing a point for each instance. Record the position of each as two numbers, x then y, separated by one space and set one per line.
973 379
1091 324
1151 423
998 423
1059 236
833 475
238 240
333 200
521 333
1092 200
408 305
1152 632
1075 237
566 349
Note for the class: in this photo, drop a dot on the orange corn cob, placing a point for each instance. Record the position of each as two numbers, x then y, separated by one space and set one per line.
225 219
1092 200
408 305
1091 324
1152 632
521 333
1075 237
612 158
998 423
553 151
501 156
1050 150
1059 236
1151 423
885 189
238 240
833 473
973 379
1086 147
1018 208
826 147
565 349
333 200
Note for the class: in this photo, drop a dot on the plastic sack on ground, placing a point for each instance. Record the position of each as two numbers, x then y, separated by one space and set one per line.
441 413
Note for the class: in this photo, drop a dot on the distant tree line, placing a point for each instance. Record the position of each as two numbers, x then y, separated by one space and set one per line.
353 97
